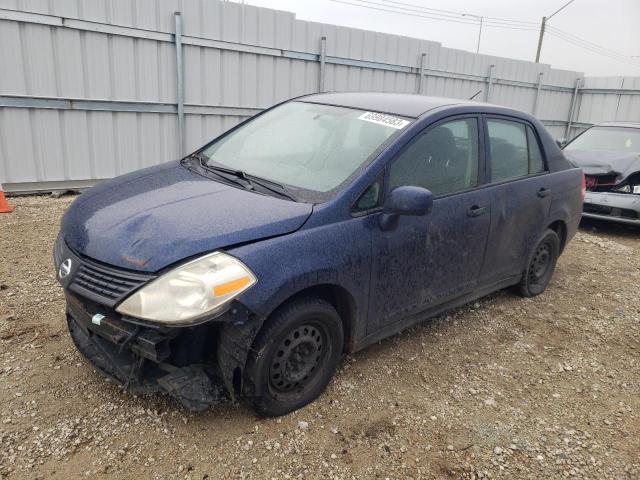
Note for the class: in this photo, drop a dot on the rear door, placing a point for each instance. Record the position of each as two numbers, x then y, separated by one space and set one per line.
425 261
520 191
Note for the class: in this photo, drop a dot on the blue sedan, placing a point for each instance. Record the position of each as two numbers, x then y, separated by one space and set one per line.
325 223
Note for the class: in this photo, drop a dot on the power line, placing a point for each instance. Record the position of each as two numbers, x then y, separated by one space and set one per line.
466 22
582 40
461 14
413 10
587 44
408 11
592 47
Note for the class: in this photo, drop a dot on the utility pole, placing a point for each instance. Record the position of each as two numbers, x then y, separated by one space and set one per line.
480 31
542 25
479 35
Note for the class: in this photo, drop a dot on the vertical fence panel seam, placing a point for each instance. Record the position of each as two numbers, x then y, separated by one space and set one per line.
179 82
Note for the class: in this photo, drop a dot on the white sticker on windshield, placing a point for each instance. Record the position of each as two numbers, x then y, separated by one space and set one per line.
382 119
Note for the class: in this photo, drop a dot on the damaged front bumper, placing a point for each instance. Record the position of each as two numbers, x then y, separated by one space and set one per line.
182 362
611 206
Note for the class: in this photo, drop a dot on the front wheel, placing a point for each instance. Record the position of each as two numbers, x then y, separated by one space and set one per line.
294 357
541 265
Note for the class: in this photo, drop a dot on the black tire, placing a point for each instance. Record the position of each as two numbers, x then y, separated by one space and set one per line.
541 265
293 357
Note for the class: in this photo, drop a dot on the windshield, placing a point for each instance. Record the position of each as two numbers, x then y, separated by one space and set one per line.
608 138
304 145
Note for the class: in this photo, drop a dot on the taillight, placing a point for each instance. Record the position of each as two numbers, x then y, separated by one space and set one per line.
583 188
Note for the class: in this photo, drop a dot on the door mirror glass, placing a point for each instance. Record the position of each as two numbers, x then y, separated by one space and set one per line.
407 200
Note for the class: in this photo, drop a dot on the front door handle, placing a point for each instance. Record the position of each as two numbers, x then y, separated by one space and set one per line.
476 211
543 192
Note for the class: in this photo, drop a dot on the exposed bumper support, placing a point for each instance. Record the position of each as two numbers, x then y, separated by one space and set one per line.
148 360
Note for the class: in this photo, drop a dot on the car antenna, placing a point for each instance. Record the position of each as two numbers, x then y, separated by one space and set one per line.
475 94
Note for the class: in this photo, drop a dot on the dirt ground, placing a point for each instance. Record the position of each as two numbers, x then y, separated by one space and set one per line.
503 388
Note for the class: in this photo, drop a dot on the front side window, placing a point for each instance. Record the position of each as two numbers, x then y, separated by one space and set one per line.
443 160
306 146
514 150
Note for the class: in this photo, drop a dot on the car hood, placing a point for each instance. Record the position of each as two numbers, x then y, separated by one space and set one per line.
592 162
154 217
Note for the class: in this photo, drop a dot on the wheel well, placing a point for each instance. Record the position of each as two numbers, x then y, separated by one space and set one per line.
341 300
561 230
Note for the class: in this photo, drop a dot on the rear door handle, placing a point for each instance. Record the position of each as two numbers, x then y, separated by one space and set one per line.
476 211
543 192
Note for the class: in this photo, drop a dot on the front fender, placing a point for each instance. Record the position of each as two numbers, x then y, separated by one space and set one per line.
337 254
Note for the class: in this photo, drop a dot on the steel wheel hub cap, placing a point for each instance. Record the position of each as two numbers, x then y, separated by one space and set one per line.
540 263
296 358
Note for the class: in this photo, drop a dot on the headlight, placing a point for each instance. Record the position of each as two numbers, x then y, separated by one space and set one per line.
190 291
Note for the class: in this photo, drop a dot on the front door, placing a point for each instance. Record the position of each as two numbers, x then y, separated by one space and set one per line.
520 197
426 260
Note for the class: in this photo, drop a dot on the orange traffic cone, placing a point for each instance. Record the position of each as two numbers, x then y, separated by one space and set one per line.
4 205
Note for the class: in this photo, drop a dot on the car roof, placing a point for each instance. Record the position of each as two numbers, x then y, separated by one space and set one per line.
618 124
403 104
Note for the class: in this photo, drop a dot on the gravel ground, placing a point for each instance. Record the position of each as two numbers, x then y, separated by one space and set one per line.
503 388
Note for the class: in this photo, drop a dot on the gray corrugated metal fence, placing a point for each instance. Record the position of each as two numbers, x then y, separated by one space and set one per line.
93 89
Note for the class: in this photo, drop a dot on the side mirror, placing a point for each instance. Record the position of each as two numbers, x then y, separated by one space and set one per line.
561 142
414 201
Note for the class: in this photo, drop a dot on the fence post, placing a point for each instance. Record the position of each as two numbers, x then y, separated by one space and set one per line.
487 96
536 103
574 97
179 82
423 61
323 57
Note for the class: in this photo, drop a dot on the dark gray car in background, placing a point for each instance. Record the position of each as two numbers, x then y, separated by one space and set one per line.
609 155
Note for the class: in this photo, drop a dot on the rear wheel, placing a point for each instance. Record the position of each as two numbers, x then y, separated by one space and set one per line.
294 357
541 265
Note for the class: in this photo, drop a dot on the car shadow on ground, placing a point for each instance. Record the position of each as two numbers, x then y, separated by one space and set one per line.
610 229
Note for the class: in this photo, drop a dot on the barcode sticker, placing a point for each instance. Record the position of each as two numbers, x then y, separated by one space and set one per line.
382 119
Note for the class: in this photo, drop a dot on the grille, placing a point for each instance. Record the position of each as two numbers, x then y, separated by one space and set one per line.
612 211
100 283
594 208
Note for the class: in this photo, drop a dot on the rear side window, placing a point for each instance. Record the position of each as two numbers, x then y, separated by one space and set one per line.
443 160
514 150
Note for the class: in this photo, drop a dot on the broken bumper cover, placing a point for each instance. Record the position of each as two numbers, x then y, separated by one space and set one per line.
144 359
614 207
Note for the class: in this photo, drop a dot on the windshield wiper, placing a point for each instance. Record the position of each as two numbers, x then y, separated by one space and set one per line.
250 180
202 163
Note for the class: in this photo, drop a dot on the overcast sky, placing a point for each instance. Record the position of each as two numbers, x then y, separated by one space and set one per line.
613 24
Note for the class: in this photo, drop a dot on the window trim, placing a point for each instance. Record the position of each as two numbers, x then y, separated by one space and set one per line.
481 172
355 213
536 139
487 142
